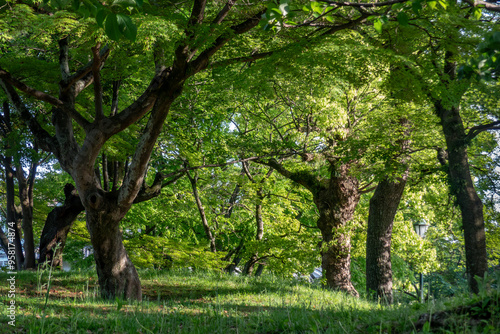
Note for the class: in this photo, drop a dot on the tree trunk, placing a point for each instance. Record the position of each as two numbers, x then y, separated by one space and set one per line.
248 269
12 214
462 187
118 277
383 206
203 216
57 226
26 199
336 204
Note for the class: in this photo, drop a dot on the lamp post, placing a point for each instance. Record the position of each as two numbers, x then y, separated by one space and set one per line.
421 229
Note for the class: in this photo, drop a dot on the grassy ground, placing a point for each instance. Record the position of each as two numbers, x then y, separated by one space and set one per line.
201 302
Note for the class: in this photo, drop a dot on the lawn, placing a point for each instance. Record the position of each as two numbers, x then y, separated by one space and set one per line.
181 301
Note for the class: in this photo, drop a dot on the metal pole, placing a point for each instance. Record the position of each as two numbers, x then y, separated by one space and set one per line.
421 288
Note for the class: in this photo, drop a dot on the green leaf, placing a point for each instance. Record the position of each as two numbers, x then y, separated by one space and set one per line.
126 26
125 3
75 5
100 17
443 3
432 4
397 6
417 6
316 7
111 27
377 24
403 19
477 13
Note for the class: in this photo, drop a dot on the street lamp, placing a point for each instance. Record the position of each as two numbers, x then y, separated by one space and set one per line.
421 229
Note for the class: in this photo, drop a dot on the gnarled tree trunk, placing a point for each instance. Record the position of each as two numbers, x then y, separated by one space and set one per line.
336 204
117 275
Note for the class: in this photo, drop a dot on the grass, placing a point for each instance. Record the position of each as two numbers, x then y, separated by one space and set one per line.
210 302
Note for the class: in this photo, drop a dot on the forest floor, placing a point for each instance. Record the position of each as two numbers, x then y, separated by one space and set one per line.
203 302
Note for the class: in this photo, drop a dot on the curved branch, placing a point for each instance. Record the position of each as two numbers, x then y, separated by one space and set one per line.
484 4
476 130
201 62
45 140
303 178
41 96
96 66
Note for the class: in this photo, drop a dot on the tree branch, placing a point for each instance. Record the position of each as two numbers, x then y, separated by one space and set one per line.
96 66
476 130
246 59
45 140
223 13
487 5
201 62
41 96
81 79
303 178
148 192
137 109
347 25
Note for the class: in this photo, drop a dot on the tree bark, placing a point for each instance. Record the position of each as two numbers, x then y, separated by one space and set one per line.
383 206
462 187
57 226
249 266
336 199
25 186
336 204
118 277
13 216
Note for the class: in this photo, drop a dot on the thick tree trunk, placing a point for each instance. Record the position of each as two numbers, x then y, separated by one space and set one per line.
57 226
462 187
118 277
383 206
336 204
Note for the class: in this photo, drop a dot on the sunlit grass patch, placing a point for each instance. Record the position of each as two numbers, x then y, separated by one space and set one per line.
183 301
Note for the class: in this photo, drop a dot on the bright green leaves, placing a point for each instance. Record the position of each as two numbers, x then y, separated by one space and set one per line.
477 12
403 18
487 65
112 16
276 16
117 25
379 22
403 13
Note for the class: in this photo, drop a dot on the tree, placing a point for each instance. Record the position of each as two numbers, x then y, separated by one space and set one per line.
383 206
105 209
19 155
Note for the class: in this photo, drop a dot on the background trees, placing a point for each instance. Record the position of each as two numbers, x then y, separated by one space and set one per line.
337 116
